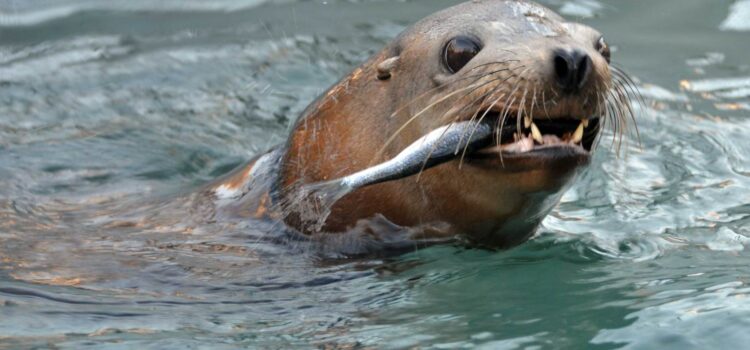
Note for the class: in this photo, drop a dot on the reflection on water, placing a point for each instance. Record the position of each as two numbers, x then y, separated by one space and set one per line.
113 114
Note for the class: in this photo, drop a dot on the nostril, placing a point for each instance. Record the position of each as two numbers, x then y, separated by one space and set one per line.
582 70
562 69
572 69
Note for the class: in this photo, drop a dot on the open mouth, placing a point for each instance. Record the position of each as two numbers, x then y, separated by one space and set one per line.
529 137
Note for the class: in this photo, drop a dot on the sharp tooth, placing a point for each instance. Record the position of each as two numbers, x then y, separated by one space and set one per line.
578 134
585 123
536 135
527 122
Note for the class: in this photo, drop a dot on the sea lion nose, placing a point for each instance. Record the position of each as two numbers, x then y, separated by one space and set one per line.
572 68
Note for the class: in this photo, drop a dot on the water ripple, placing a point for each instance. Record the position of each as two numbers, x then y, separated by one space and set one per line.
110 120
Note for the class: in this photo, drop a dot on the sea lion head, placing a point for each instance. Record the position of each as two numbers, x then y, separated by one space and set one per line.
545 83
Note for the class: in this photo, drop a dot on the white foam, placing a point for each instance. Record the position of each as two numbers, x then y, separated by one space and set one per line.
739 17
710 85
662 94
581 8
49 58
15 13
728 241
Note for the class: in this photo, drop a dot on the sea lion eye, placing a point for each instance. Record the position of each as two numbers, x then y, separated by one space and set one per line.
459 51
603 48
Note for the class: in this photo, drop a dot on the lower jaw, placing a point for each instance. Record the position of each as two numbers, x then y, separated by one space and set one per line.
553 157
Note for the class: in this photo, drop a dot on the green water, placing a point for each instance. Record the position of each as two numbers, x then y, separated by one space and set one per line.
111 110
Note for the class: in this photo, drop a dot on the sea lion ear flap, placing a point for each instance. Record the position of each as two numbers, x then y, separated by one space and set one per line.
386 67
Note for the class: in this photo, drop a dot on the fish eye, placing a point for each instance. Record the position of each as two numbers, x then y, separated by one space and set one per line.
459 51
603 48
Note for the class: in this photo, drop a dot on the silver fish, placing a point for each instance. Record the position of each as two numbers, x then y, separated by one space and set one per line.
439 146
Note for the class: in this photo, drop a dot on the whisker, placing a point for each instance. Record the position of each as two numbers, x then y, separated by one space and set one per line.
633 85
632 113
518 85
602 113
533 105
615 115
481 97
479 108
487 111
624 101
446 84
504 117
414 117
427 158
521 110
544 104
473 87
492 105
476 113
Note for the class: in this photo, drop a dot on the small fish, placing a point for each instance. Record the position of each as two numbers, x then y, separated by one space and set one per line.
437 147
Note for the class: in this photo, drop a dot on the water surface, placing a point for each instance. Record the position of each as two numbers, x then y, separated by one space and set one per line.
111 110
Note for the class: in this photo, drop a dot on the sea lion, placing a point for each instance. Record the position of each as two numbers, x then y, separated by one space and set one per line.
546 85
